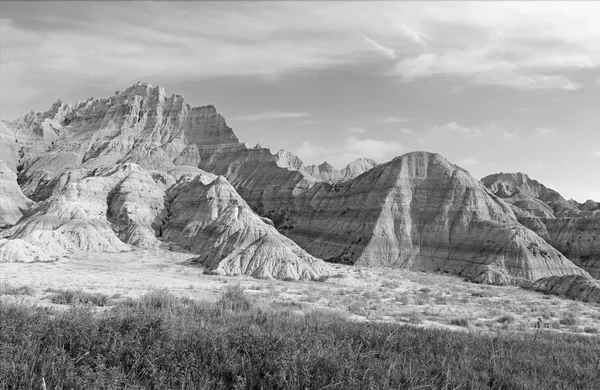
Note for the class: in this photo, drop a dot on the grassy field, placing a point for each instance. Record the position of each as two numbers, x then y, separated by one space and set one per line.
163 341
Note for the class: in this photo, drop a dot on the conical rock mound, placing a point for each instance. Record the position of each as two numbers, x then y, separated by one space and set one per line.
420 211
210 218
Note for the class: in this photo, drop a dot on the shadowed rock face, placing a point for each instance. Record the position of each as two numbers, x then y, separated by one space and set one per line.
12 200
570 227
571 286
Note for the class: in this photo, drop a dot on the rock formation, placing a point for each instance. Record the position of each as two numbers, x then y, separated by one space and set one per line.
570 286
12 200
120 206
211 219
570 227
417 211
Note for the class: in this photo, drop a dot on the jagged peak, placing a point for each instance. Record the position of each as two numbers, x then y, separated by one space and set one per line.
326 167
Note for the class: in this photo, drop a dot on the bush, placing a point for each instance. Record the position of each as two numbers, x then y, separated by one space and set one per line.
464 322
590 329
75 297
507 319
569 318
234 299
9 289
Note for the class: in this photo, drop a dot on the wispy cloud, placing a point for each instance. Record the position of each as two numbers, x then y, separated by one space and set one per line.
509 135
270 115
596 153
392 119
354 130
544 131
385 51
458 129
533 110
518 45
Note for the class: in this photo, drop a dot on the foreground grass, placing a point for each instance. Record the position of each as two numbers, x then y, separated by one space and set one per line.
161 341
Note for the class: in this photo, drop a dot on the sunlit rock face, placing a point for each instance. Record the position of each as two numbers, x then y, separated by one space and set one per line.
140 125
211 219
107 209
570 227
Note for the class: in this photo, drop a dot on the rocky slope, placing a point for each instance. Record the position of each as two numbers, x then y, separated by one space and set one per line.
571 286
570 227
210 218
121 207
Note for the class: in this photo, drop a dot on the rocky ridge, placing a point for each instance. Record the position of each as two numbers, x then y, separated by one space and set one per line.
570 227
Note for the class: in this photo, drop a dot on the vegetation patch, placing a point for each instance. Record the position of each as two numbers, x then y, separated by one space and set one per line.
78 297
162 341
8 289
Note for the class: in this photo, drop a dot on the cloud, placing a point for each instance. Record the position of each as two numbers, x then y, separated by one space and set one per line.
349 149
355 130
519 45
596 153
407 131
454 127
385 51
544 131
416 36
392 119
270 115
533 110
507 134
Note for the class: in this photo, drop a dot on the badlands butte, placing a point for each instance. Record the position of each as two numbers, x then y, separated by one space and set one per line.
144 170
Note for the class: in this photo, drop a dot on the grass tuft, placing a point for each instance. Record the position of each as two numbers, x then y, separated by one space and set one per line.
77 297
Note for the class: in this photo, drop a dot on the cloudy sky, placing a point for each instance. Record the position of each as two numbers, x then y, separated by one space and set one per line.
491 86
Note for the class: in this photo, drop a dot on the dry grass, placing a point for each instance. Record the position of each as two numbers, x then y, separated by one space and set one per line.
362 294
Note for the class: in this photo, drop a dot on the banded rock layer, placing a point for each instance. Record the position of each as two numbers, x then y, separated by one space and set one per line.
211 219
570 227
123 206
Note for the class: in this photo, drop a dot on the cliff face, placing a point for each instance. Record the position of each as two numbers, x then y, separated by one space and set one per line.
570 227
12 201
140 125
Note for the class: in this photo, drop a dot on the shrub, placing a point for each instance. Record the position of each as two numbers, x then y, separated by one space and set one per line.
78 297
569 318
234 299
464 322
9 289
506 319
590 329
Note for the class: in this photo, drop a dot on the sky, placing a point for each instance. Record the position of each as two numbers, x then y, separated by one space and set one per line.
491 86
